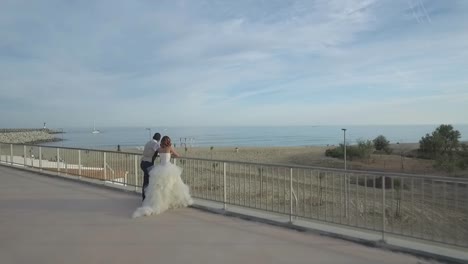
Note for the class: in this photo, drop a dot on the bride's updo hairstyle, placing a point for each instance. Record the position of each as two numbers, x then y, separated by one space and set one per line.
165 142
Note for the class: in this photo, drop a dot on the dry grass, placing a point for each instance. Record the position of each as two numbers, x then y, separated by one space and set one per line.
315 156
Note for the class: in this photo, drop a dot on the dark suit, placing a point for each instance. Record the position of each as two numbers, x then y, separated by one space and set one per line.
150 152
145 165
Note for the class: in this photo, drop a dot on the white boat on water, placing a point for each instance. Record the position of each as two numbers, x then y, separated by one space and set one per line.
95 131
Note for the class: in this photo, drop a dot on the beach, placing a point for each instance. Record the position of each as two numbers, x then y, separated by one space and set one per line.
280 155
315 156
309 156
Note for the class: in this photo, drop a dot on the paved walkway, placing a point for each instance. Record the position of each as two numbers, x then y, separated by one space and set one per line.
52 220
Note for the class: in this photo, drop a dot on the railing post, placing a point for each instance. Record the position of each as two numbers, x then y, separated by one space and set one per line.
65 166
224 186
136 173
24 155
175 161
32 158
79 163
105 165
58 161
40 158
290 195
383 208
6 156
11 154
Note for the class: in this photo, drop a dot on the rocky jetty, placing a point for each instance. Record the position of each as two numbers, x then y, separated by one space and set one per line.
30 136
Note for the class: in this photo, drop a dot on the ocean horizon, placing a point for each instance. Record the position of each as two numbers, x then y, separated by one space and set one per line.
236 136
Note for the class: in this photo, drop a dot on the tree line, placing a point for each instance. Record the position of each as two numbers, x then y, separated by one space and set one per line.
442 145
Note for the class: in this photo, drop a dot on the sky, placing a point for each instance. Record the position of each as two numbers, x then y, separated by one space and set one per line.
233 63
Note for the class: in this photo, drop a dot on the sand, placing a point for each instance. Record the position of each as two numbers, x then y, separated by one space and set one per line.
308 156
283 155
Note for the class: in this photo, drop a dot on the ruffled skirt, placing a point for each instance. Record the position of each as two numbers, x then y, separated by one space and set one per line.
165 190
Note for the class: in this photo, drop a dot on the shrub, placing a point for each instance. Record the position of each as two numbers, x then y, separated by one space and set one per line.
443 146
442 142
362 150
365 148
335 152
381 143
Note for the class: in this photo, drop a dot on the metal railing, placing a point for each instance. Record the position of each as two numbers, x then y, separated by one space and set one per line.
418 206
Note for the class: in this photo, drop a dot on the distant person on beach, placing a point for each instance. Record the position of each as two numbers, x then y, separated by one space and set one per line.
150 152
165 189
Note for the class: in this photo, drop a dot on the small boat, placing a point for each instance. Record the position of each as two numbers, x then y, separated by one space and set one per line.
95 131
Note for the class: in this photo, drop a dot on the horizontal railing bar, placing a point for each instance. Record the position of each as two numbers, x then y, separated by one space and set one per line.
366 172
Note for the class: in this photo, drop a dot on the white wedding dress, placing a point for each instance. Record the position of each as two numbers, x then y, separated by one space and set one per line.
165 189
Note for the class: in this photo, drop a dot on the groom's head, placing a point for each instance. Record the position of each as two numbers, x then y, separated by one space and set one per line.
157 136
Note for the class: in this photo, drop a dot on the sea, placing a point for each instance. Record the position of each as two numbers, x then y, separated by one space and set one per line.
237 136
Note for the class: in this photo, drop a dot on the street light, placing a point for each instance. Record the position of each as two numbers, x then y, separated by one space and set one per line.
149 132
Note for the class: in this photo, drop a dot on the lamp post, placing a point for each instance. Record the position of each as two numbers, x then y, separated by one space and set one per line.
345 176
149 131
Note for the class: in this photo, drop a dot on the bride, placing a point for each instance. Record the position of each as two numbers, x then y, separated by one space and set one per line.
165 189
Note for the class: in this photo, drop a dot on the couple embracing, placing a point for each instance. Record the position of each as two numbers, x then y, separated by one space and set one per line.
163 187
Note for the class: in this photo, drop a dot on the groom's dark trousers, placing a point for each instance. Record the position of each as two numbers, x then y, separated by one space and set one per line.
145 165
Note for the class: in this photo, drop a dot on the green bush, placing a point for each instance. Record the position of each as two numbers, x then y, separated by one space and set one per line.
462 157
387 151
352 152
381 144
442 142
446 164
362 150
337 152
444 148
365 148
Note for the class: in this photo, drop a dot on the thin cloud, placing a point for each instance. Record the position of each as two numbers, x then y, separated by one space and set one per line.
216 62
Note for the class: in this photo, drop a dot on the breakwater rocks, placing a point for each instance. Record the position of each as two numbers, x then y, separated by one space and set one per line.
31 136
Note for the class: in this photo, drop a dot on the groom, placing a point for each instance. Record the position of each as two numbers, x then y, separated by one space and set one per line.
150 152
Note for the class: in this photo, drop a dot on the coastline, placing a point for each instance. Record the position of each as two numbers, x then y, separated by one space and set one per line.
310 155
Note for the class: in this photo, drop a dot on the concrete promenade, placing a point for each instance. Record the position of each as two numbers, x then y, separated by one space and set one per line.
52 220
